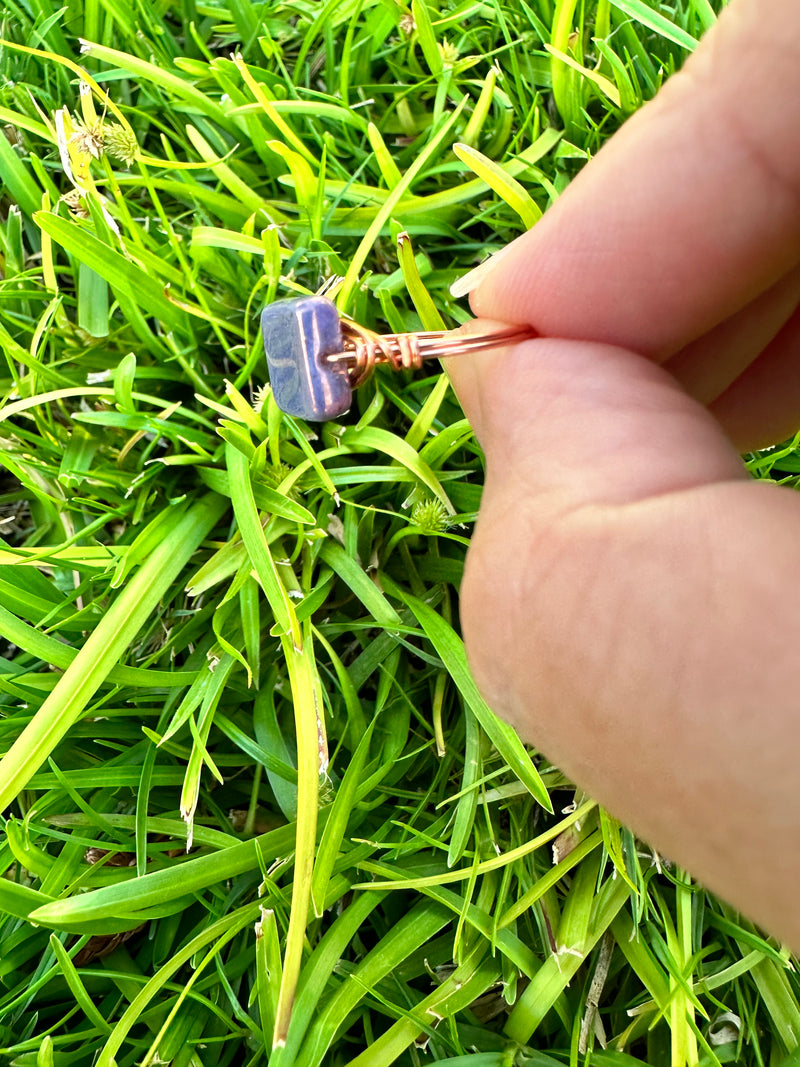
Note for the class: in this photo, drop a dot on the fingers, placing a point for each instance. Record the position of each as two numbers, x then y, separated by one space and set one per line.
762 406
648 650
573 432
710 365
626 583
629 604
688 213
577 424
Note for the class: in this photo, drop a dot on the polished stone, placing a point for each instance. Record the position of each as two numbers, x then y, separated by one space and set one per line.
298 334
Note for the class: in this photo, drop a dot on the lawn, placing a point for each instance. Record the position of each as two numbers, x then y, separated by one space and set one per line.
256 810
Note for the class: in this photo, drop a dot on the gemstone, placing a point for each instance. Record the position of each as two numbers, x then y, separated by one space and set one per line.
298 335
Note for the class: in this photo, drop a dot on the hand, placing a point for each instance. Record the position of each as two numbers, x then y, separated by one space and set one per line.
632 599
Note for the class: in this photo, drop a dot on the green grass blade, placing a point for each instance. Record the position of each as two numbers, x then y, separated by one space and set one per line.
506 187
450 650
130 900
244 507
74 982
17 180
553 977
407 934
392 200
221 931
467 984
311 764
123 275
655 21
330 844
427 38
106 644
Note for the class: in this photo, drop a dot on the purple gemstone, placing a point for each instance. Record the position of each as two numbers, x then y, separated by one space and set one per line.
298 334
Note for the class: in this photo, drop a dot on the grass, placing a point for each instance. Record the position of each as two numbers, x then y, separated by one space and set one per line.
256 810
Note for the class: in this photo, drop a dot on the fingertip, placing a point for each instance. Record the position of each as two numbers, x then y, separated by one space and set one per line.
498 276
470 281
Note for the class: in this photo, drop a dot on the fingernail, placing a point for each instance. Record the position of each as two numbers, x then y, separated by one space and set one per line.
473 278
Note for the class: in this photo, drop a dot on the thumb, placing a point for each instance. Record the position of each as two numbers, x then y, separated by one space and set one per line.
629 603
581 423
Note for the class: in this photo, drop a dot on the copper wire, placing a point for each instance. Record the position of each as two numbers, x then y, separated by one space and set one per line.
363 348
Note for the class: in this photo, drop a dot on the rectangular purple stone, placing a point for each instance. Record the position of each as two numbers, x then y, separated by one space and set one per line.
298 334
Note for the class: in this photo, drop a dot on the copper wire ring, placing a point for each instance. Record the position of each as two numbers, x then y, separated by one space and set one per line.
364 349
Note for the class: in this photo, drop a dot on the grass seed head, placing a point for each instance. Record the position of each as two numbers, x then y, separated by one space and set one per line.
120 143
88 139
430 516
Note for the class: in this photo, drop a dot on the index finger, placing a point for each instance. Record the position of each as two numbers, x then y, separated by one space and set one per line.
689 212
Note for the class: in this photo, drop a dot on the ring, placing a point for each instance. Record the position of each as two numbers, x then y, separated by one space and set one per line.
316 358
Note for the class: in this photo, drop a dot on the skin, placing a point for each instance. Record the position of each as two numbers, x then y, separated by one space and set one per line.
632 599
